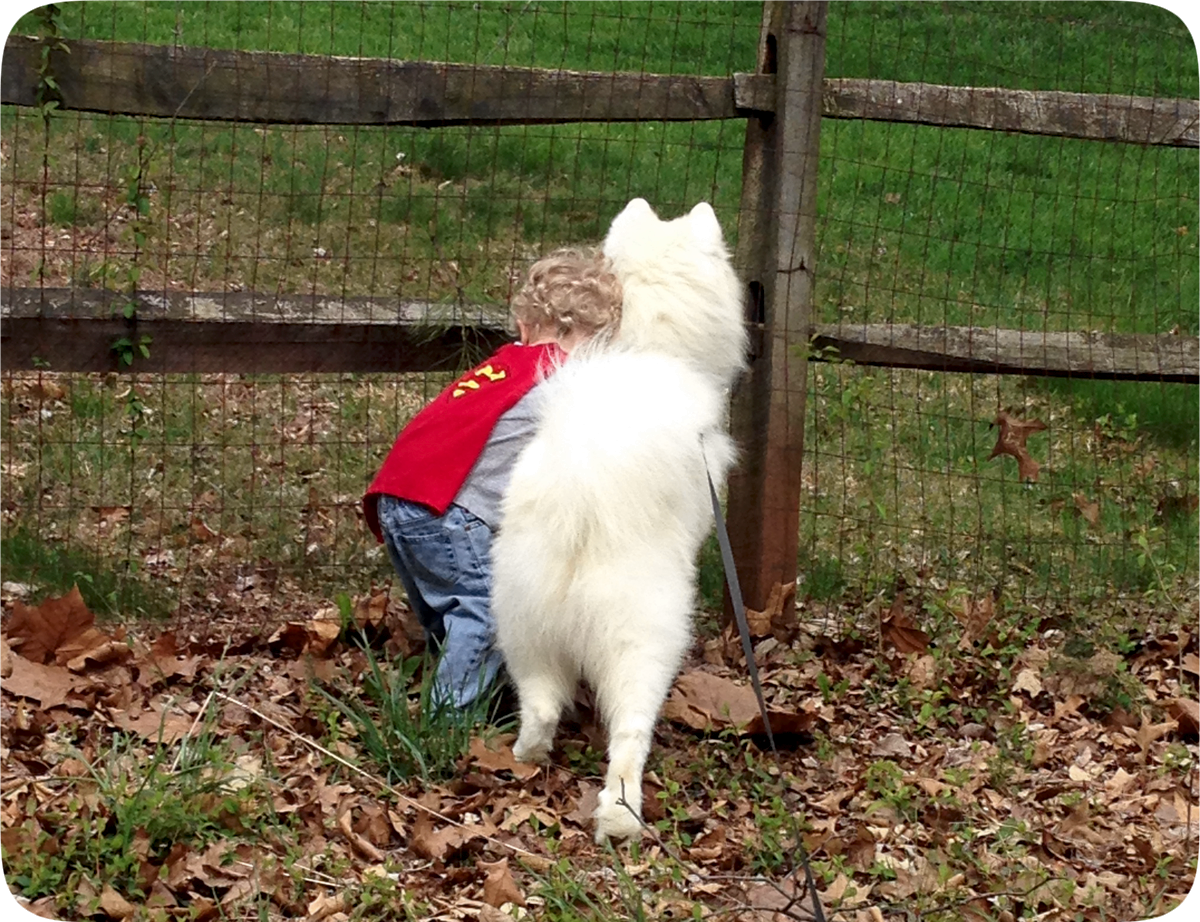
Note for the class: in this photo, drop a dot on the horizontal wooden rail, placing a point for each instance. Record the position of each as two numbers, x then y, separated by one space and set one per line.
1107 117
73 330
989 350
168 81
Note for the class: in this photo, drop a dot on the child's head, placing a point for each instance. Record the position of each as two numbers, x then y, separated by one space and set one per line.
569 297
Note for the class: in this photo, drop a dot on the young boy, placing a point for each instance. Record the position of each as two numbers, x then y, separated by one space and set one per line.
435 502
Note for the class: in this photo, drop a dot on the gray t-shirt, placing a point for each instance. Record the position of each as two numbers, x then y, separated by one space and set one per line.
485 486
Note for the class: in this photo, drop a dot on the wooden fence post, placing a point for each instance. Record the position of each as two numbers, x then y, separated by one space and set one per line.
776 249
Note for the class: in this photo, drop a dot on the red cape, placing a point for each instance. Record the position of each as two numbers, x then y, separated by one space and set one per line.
434 453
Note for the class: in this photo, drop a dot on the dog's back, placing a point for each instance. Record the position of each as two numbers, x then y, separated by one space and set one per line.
607 492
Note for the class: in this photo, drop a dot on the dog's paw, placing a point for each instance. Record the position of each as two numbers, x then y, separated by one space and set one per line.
615 820
530 752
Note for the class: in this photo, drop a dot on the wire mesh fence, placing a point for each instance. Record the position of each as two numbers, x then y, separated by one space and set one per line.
236 494
1003 231
241 493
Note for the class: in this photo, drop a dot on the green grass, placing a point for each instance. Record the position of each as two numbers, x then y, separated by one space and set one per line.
566 897
918 223
406 733
902 483
129 809
108 588
915 224
681 38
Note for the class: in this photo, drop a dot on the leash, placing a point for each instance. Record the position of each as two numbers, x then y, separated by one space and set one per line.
739 614
739 607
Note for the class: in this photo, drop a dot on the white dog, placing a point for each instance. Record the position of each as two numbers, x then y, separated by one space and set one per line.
594 564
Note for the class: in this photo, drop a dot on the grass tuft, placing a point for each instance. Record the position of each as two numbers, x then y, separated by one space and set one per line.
409 733
108 588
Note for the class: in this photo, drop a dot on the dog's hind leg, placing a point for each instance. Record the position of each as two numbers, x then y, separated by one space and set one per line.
619 811
544 692
630 697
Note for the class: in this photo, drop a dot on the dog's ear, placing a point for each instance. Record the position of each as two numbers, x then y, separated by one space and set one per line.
627 227
703 222
637 207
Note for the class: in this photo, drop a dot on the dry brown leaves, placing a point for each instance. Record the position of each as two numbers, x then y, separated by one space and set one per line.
778 618
1011 441
705 701
62 631
957 824
900 631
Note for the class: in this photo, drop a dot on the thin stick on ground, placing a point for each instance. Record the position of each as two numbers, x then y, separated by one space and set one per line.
378 782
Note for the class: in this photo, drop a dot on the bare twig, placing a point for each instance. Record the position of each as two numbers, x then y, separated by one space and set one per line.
1187 834
950 905
190 730
792 898
378 782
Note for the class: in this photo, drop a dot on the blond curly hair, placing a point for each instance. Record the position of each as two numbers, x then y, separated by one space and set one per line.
570 291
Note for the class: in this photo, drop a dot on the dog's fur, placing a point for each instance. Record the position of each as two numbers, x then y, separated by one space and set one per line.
594 564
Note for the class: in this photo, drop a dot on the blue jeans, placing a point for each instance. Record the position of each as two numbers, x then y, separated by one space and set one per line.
444 563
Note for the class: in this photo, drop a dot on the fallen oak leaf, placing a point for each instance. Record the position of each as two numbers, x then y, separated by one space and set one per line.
1055 848
370 610
704 701
778 616
238 891
899 630
976 617
1011 441
1148 733
359 843
439 844
94 649
501 759
160 896
499 887
1187 715
1089 509
167 661
709 846
922 671
115 906
202 909
48 685
201 531
707 702
373 823
521 813
154 725
585 807
1028 681
406 637
46 908
313 637
859 850
783 723
326 905
222 864
893 745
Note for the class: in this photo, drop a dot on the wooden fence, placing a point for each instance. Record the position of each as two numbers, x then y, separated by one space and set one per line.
782 103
